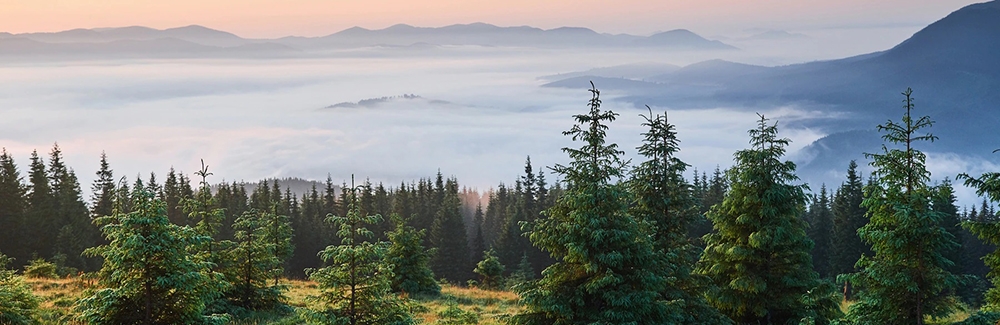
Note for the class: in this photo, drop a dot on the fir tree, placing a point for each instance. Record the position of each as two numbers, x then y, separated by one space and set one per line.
490 270
448 238
848 217
410 271
41 224
148 276
905 279
821 232
605 270
758 254
664 199
988 230
356 286
255 263
103 190
18 306
12 208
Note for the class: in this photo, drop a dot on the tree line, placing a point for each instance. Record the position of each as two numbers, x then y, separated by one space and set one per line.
611 242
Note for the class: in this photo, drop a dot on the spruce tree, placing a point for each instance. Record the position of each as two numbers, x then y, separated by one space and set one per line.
41 224
12 208
758 254
906 278
410 271
356 286
821 232
18 306
663 198
848 217
103 190
148 277
76 230
987 230
490 270
255 263
448 238
606 269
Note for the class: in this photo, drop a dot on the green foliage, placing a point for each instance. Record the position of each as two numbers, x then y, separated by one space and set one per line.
40 268
17 304
981 318
255 263
820 231
490 270
988 185
356 286
410 271
148 276
907 278
664 200
848 217
448 237
759 252
606 270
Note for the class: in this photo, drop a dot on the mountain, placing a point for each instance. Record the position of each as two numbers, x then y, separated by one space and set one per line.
951 65
194 34
682 39
634 71
481 34
19 47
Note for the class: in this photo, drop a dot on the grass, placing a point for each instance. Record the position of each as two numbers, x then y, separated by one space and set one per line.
58 297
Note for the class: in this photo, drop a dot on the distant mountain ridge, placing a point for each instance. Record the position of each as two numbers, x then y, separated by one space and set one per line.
952 66
194 40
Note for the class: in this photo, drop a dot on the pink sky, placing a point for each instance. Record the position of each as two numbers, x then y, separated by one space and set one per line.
275 18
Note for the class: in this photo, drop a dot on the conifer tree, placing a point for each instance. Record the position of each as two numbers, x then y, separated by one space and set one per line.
148 276
103 190
12 208
18 306
41 224
490 270
848 217
207 221
410 271
906 278
448 237
987 230
356 286
255 263
758 254
606 270
76 231
277 232
663 199
821 232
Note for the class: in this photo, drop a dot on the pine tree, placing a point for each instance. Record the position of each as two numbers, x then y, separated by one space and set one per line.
448 238
13 204
356 286
905 279
103 190
490 270
821 232
41 225
758 254
18 306
663 198
255 263
605 270
410 271
848 217
148 276
988 230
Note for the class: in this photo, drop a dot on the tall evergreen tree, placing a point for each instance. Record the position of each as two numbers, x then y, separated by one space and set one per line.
411 272
41 223
76 231
148 276
759 252
663 198
848 217
606 270
821 232
905 279
103 190
448 238
255 263
988 230
356 286
12 208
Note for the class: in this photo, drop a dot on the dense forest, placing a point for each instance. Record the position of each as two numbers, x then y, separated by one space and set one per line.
611 242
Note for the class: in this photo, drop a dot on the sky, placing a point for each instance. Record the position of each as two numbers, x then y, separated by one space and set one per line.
277 18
